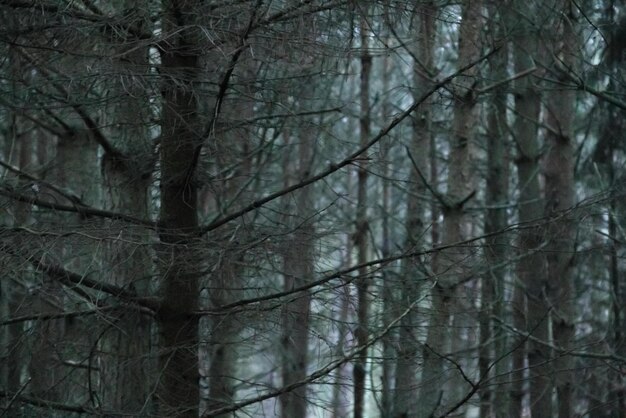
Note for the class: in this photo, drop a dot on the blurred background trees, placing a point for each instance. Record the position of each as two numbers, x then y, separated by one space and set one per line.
312 208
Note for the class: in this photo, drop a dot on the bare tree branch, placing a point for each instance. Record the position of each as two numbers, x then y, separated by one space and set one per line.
352 157
76 208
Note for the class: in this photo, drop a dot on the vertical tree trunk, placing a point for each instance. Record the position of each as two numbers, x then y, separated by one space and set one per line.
340 399
387 286
413 272
46 354
180 260
492 342
127 369
222 333
298 269
530 307
16 150
559 190
362 226
449 265
608 393
616 396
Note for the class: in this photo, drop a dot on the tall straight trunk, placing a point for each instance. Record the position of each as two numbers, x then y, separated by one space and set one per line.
405 403
45 367
63 341
222 332
298 270
16 150
180 260
609 398
617 387
219 333
559 195
530 307
387 286
407 361
127 370
610 391
449 264
362 226
340 398
492 341
126 377
46 353
343 394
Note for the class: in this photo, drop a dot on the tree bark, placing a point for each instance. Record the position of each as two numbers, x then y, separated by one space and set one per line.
298 269
616 393
127 369
17 149
387 285
492 338
559 190
179 255
413 272
222 333
362 226
450 265
530 307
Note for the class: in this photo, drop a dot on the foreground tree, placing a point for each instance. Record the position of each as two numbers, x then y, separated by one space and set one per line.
181 142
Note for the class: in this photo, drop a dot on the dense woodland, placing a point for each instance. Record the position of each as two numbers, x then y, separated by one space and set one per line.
313 208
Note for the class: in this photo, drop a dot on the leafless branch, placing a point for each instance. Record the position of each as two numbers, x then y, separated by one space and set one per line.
349 159
319 373
70 278
76 208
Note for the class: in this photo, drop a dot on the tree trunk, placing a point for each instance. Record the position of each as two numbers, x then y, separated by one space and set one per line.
180 260
362 226
222 333
559 190
450 265
413 272
47 351
17 149
127 369
298 269
340 399
492 339
530 307
616 393
387 285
